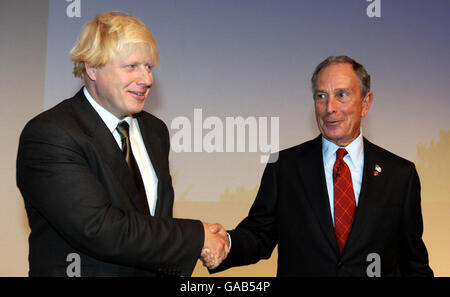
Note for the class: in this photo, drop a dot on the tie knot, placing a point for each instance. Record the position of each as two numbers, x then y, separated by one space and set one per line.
340 153
123 129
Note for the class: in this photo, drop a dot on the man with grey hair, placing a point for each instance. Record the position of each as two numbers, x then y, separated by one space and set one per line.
336 205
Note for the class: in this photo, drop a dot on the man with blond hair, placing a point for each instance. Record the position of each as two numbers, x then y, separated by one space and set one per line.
94 170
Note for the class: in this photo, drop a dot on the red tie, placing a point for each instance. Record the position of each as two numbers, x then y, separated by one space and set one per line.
344 199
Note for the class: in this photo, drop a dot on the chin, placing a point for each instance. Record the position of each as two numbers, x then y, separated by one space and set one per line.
136 109
333 137
332 134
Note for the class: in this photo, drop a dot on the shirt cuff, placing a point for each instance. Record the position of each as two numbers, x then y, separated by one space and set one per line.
229 240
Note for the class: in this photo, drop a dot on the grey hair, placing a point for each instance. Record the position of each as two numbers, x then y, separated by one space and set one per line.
360 71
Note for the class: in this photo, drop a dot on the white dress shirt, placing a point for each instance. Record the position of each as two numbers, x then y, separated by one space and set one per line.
146 169
354 160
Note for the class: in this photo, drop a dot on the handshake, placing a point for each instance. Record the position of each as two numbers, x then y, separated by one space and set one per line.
216 246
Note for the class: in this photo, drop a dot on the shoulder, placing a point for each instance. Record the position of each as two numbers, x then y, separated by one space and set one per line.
153 127
380 152
58 113
56 117
153 123
387 159
148 118
61 114
71 118
304 149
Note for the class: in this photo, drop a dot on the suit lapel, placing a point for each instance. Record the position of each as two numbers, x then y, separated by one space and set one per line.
152 142
105 144
153 145
370 197
312 172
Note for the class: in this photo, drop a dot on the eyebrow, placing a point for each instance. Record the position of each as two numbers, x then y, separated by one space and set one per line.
336 90
343 89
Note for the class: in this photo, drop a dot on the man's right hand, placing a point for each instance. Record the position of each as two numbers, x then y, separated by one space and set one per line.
215 247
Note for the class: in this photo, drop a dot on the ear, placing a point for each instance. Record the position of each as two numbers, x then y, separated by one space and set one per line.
366 103
91 72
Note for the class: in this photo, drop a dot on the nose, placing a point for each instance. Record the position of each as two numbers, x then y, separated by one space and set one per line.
145 78
331 104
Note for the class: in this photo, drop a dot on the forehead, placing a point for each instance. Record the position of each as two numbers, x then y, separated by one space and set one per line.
339 75
138 53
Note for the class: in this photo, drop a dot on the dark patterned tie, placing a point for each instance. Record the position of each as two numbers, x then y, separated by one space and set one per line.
344 199
123 129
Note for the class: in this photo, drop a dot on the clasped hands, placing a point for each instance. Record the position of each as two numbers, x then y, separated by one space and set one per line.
216 245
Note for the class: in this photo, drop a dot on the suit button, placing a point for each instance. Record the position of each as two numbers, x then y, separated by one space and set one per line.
340 264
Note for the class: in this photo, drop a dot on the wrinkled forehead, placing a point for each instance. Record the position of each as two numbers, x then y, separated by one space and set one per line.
337 76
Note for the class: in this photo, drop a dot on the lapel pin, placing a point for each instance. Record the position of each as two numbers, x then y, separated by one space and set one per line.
377 170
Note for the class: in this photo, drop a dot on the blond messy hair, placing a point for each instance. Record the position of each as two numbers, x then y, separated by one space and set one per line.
105 36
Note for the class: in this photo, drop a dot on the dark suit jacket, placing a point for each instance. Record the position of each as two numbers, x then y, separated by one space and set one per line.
80 198
292 210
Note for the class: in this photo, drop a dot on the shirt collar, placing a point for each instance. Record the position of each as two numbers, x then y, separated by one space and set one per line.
110 120
354 150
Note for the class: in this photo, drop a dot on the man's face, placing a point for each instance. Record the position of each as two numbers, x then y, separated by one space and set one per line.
338 103
122 85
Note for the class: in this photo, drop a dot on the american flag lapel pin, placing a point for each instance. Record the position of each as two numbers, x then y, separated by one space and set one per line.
377 170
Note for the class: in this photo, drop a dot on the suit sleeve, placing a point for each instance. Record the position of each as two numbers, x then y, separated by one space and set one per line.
413 253
54 177
255 237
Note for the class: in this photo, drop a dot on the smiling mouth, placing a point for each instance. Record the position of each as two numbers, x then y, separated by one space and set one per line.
332 123
139 96
138 93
